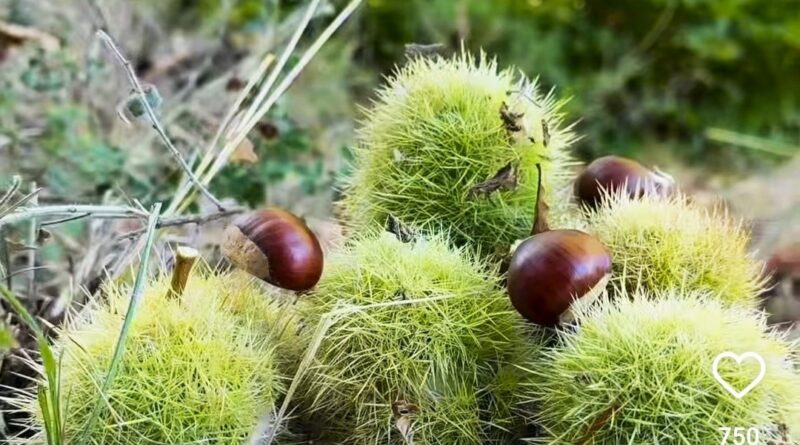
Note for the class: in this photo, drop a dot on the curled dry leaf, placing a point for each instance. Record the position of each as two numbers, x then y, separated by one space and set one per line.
404 414
43 236
540 223
404 233
510 119
504 179
244 153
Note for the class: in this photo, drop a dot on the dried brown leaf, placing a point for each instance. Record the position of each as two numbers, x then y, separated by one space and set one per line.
510 119
405 413
244 153
505 179
403 233
542 209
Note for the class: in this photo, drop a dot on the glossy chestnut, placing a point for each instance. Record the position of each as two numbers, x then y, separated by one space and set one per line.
552 269
611 174
277 247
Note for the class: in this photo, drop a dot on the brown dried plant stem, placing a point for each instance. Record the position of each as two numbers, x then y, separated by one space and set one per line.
540 223
185 258
599 423
134 80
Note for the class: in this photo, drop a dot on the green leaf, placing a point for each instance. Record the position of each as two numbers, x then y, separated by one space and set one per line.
49 394
136 296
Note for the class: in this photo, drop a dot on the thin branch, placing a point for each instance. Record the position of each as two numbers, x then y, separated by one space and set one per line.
100 16
22 271
66 200
182 197
102 35
95 211
257 109
183 220
63 220
205 162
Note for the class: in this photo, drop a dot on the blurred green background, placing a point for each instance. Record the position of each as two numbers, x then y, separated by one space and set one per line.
712 84
643 74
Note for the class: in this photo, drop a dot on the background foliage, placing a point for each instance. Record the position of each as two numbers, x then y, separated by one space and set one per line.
648 78
646 75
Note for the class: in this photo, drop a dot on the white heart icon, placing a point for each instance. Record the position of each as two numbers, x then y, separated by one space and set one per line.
739 359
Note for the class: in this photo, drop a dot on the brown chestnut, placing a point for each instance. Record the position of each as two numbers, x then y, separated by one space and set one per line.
610 174
276 246
552 269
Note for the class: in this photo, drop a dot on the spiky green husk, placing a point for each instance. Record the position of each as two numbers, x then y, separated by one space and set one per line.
436 131
441 352
639 371
199 369
660 243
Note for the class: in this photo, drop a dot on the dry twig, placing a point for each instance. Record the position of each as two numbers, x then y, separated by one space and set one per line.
183 220
64 211
540 223
126 64
185 257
